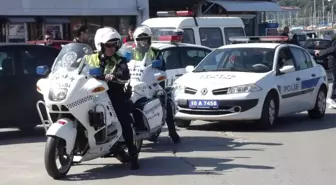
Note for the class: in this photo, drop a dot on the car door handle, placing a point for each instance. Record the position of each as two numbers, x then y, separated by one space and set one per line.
313 75
298 79
178 75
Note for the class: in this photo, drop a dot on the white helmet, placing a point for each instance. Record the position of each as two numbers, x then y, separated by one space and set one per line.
142 30
103 35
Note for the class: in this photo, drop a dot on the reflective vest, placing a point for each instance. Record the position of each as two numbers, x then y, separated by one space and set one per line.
138 55
94 62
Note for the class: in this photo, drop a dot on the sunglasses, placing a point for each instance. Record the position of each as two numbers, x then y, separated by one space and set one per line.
143 39
111 44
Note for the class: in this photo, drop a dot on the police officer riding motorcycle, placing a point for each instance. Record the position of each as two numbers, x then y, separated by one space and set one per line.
143 38
116 73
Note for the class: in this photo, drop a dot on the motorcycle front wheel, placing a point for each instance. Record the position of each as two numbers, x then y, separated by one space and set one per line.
55 151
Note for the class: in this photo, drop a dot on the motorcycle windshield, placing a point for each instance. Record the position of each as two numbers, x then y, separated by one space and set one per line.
71 56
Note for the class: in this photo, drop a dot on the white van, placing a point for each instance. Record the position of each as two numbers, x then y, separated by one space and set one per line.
212 32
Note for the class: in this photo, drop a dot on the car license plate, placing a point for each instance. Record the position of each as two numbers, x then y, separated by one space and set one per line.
204 104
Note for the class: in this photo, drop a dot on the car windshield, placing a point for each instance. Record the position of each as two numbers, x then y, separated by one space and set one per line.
70 57
317 44
256 60
301 37
311 35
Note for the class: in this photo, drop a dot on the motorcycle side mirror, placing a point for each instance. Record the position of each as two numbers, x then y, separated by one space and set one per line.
128 56
157 64
42 70
95 72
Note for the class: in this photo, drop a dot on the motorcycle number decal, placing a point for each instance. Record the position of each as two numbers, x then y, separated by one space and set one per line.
135 78
63 85
68 59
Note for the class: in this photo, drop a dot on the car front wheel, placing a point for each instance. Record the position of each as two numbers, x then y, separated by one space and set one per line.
269 112
320 105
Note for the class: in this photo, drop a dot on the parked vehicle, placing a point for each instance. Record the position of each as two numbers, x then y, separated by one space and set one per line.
57 43
211 32
319 44
253 81
18 79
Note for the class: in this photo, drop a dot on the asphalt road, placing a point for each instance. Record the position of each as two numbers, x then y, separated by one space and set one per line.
299 151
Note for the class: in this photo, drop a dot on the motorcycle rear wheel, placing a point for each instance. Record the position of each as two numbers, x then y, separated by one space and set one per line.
55 149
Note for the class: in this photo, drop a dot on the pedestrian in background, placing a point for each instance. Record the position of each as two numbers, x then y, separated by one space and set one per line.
129 38
49 41
81 35
332 52
295 40
285 31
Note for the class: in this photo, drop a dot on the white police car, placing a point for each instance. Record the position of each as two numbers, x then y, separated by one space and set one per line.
251 81
177 55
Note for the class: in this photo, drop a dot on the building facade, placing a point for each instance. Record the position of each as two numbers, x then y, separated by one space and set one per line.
252 12
287 17
24 20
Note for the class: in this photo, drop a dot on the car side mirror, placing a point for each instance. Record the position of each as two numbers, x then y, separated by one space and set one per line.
189 69
287 69
42 70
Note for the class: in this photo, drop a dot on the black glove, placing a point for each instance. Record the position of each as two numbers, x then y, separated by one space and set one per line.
128 91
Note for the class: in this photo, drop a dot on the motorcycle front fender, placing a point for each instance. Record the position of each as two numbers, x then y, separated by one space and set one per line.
65 129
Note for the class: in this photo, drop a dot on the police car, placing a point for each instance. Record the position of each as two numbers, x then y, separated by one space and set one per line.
177 55
251 81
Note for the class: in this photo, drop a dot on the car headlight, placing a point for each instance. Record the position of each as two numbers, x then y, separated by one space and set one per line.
244 89
178 87
57 94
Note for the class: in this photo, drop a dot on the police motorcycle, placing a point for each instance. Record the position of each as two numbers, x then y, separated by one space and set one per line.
81 123
146 75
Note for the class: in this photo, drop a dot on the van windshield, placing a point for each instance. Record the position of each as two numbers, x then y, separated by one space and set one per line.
188 33
162 31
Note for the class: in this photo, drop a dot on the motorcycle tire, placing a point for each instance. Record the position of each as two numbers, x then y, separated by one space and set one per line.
56 144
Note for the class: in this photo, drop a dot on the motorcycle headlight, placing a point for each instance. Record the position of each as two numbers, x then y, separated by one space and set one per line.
57 94
244 89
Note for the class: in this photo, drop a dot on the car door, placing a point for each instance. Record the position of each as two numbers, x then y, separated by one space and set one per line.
288 83
308 78
31 56
9 87
172 58
314 72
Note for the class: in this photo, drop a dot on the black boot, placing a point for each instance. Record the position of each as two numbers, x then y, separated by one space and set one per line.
133 157
134 162
171 125
174 136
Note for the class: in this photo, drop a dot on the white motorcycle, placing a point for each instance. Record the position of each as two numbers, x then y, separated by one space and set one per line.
146 75
84 125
